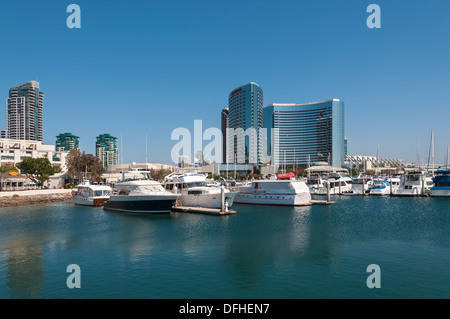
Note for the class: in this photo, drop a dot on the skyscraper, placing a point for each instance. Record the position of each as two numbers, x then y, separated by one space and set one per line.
24 112
299 133
106 148
67 142
244 137
224 126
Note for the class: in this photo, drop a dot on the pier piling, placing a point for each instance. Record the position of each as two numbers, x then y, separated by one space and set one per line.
328 192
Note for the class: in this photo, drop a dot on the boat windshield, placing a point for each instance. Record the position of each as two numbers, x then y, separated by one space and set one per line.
413 178
135 176
379 183
101 193
150 189
196 184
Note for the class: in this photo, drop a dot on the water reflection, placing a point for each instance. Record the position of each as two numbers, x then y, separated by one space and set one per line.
25 275
134 235
300 231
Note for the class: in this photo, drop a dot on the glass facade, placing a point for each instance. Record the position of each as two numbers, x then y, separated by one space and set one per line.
302 133
107 150
224 125
245 121
67 142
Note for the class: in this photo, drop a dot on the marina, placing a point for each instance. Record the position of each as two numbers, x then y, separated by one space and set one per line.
201 152
316 251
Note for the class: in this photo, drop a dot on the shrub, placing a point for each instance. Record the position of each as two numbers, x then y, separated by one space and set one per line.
15 196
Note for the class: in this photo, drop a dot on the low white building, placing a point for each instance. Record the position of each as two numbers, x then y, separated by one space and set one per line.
14 151
118 168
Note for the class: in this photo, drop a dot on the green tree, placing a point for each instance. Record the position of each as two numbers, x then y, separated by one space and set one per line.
159 174
78 163
40 169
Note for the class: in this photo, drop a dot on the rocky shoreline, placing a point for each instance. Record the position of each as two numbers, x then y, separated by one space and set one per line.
8 201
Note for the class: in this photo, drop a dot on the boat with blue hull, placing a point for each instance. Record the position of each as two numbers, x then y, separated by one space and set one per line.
380 187
441 186
137 193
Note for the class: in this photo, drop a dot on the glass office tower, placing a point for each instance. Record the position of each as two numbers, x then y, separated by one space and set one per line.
306 133
245 121
224 126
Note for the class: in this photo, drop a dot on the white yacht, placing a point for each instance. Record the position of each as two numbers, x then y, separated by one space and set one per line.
441 186
136 192
196 191
380 187
274 192
339 184
362 184
88 194
415 183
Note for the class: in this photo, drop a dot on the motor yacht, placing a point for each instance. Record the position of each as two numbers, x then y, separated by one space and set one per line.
414 183
274 192
195 191
88 194
441 186
136 192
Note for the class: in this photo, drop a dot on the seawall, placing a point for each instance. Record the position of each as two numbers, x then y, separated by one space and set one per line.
7 199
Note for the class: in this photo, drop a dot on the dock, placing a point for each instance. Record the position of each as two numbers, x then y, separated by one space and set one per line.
321 202
203 210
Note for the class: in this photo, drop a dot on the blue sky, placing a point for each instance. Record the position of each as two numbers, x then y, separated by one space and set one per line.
138 68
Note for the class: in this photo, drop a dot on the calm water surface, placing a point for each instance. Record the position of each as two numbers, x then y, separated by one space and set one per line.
260 252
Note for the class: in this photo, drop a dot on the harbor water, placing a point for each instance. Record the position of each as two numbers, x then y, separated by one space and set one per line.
319 251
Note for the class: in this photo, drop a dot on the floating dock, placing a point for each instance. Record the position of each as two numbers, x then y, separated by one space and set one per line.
203 210
321 202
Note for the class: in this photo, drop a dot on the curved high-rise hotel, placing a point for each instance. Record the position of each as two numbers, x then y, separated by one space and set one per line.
245 123
298 133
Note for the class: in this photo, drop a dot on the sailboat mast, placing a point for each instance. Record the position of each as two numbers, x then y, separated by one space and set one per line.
417 152
448 153
146 152
431 152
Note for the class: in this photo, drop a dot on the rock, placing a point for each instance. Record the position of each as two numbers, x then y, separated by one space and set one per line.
8 201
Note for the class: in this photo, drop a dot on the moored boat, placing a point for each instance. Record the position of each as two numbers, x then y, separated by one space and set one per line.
380 187
362 184
88 194
274 192
195 191
136 192
339 184
441 186
414 183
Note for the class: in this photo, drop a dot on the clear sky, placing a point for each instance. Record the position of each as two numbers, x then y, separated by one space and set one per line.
138 68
